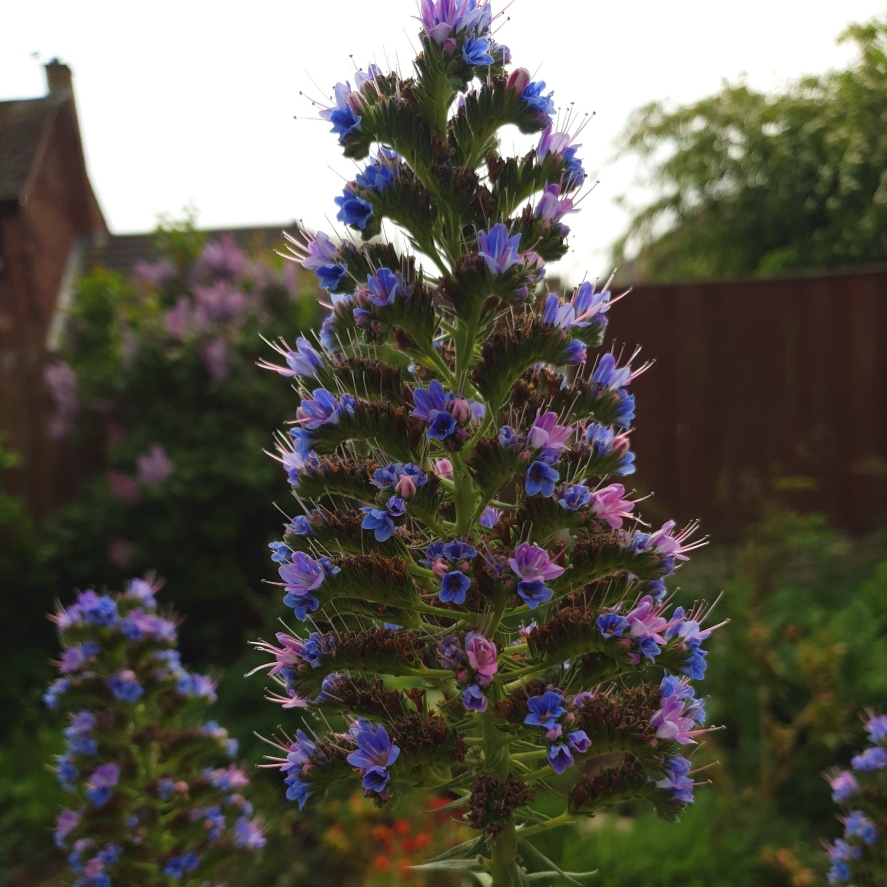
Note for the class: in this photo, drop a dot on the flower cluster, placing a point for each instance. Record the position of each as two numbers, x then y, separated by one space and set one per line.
449 493
138 752
860 855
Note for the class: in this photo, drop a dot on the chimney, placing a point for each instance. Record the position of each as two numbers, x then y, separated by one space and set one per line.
59 80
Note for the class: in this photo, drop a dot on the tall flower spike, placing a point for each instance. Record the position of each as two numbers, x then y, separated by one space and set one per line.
123 754
449 483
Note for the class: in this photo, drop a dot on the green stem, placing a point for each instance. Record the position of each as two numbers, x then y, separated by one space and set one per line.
465 496
564 819
504 854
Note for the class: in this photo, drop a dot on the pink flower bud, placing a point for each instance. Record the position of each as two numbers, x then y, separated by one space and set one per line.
460 410
443 467
405 486
554 733
440 568
519 79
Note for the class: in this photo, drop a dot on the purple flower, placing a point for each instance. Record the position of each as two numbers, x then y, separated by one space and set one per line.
386 285
545 433
215 358
304 361
323 409
454 586
551 207
545 710
531 562
154 466
353 210
342 115
102 780
609 376
473 699
559 757
248 835
561 144
541 478
302 575
434 400
877 728
843 785
608 505
375 753
445 18
489 517
612 625
677 781
499 251
482 656
578 741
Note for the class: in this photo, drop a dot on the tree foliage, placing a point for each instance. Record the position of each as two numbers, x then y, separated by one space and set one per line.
751 184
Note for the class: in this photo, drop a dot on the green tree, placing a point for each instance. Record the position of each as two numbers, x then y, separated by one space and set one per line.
754 185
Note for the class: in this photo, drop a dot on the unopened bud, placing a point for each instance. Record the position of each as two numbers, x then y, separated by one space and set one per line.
405 486
519 79
460 410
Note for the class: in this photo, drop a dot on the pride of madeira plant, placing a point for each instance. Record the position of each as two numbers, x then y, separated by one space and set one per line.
153 807
489 619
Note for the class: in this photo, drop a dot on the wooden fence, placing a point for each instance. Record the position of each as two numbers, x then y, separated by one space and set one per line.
760 385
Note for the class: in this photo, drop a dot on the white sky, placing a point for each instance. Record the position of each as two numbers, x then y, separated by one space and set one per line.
192 102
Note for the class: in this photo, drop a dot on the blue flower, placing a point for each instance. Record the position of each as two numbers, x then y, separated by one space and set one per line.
612 625
454 586
858 825
839 873
499 251
281 553
473 698
578 741
545 710
302 604
342 116
386 285
331 275
534 592
353 210
300 526
476 51
56 689
533 98
375 753
575 497
376 177
871 759
125 687
541 478
442 426
178 865
297 790
559 758
379 522
435 399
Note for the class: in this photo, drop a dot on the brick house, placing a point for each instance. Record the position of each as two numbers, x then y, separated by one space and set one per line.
48 212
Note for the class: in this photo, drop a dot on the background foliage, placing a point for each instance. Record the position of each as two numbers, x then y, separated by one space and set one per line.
749 184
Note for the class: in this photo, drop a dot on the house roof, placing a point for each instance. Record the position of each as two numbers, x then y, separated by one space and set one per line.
24 126
121 252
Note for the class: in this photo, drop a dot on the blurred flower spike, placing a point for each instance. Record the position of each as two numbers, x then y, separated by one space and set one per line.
140 752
